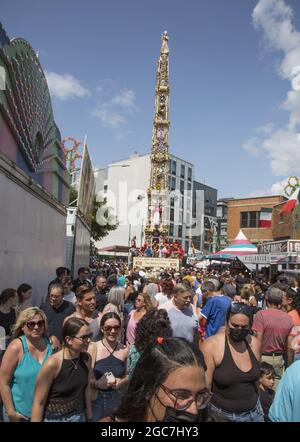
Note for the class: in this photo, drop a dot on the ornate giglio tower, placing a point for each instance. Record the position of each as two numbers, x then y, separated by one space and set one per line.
156 229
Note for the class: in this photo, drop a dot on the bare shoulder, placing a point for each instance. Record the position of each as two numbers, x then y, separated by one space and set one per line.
15 347
214 347
124 350
13 353
214 341
53 363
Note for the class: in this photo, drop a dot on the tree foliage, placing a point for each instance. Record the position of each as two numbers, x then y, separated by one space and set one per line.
98 230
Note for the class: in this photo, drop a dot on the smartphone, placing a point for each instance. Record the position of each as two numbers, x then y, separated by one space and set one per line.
110 377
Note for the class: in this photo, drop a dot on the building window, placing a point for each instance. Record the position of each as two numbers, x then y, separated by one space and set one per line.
190 174
172 215
105 188
250 219
182 203
182 171
180 231
189 186
173 183
182 186
171 229
173 167
169 181
172 201
170 166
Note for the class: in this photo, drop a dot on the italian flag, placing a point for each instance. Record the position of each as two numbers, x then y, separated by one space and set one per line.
265 217
291 203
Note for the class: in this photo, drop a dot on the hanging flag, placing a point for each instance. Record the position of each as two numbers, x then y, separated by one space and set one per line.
265 217
291 203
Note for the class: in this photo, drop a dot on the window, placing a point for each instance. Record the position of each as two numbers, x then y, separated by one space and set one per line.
182 171
170 166
190 174
172 215
180 231
189 186
171 229
105 188
182 203
173 167
250 219
172 201
173 183
169 178
182 186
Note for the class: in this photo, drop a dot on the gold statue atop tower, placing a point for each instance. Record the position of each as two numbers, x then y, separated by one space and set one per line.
156 229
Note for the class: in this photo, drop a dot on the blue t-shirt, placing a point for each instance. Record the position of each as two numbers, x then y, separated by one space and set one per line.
214 312
286 405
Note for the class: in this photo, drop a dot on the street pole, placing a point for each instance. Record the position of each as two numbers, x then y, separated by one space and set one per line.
142 233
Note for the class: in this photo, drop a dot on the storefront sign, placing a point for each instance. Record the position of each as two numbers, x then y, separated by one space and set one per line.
290 245
159 263
256 259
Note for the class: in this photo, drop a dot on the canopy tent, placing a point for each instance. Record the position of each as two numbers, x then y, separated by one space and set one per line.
239 246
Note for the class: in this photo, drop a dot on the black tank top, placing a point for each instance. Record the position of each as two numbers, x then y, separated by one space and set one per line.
234 390
70 383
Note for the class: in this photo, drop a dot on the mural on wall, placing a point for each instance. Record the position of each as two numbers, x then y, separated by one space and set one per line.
28 134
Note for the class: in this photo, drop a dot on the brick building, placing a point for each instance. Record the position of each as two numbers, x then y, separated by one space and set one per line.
286 226
244 213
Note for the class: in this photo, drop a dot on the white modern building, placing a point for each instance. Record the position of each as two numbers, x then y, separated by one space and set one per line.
124 184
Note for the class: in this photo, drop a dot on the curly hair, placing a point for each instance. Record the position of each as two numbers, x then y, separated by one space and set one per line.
155 323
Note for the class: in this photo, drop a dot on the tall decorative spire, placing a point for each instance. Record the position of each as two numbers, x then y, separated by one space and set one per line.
156 228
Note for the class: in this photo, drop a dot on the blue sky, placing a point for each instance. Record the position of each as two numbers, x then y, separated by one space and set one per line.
235 94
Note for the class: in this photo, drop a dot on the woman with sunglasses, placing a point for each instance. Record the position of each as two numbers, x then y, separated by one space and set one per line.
143 305
168 385
109 361
62 392
22 362
232 357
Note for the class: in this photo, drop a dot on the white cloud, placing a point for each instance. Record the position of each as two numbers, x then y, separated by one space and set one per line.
274 18
109 118
275 189
116 104
253 146
65 86
282 145
125 99
265 129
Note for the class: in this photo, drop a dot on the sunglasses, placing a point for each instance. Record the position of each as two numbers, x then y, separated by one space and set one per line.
109 328
31 324
84 338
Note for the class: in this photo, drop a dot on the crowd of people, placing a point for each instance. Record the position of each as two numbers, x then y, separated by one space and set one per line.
123 344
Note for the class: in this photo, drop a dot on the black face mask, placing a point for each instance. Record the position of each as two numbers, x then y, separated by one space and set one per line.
238 334
173 415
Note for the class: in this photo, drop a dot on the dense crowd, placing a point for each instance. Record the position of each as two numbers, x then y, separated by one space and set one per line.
121 344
